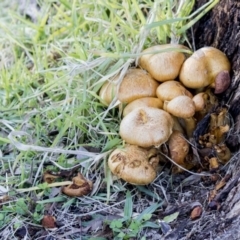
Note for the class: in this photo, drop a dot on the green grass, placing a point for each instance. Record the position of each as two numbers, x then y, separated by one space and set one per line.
50 73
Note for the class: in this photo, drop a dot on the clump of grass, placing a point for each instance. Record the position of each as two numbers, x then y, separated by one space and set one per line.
50 74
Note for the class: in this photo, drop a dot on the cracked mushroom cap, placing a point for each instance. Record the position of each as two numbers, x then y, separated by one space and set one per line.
136 84
146 127
163 66
134 164
203 67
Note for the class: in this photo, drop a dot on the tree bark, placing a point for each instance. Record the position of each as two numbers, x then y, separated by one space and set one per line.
220 28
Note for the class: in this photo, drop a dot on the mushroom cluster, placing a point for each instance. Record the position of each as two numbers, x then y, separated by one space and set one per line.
163 99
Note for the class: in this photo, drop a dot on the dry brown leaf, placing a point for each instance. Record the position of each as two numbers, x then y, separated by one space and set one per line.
49 178
196 212
80 187
49 221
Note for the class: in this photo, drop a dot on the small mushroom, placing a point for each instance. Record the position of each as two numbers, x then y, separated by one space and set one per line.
80 187
171 89
134 164
143 102
107 92
146 127
136 84
179 149
182 107
204 102
202 69
164 65
200 101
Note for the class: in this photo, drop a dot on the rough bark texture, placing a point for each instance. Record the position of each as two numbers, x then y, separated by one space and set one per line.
221 29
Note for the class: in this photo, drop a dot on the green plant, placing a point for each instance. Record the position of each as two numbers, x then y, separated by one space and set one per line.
129 226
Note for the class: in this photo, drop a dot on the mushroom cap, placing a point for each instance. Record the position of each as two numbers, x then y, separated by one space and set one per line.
134 164
200 101
181 106
136 84
171 89
217 60
163 66
146 126
107 92
201 69
143 102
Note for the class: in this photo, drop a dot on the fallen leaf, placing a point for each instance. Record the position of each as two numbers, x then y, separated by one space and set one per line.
171 217
49 221
196 213
49 177
80 187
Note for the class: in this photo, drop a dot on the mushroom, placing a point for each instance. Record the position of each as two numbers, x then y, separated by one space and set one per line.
134 164
182 107
146 127
207 66
164 65
136 84
143 102
171 89
107 92
200 100
79 187
179 149
204 102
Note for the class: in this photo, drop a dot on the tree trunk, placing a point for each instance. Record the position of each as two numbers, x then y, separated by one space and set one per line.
220 28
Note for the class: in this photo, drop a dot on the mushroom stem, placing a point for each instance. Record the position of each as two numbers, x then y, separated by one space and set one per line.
177 126
190 126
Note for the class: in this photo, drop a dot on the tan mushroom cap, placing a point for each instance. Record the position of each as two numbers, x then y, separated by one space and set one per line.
171 89
200 101
163 66
136 84
143 102
107 92
201 69
181 106
134 164
146 127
